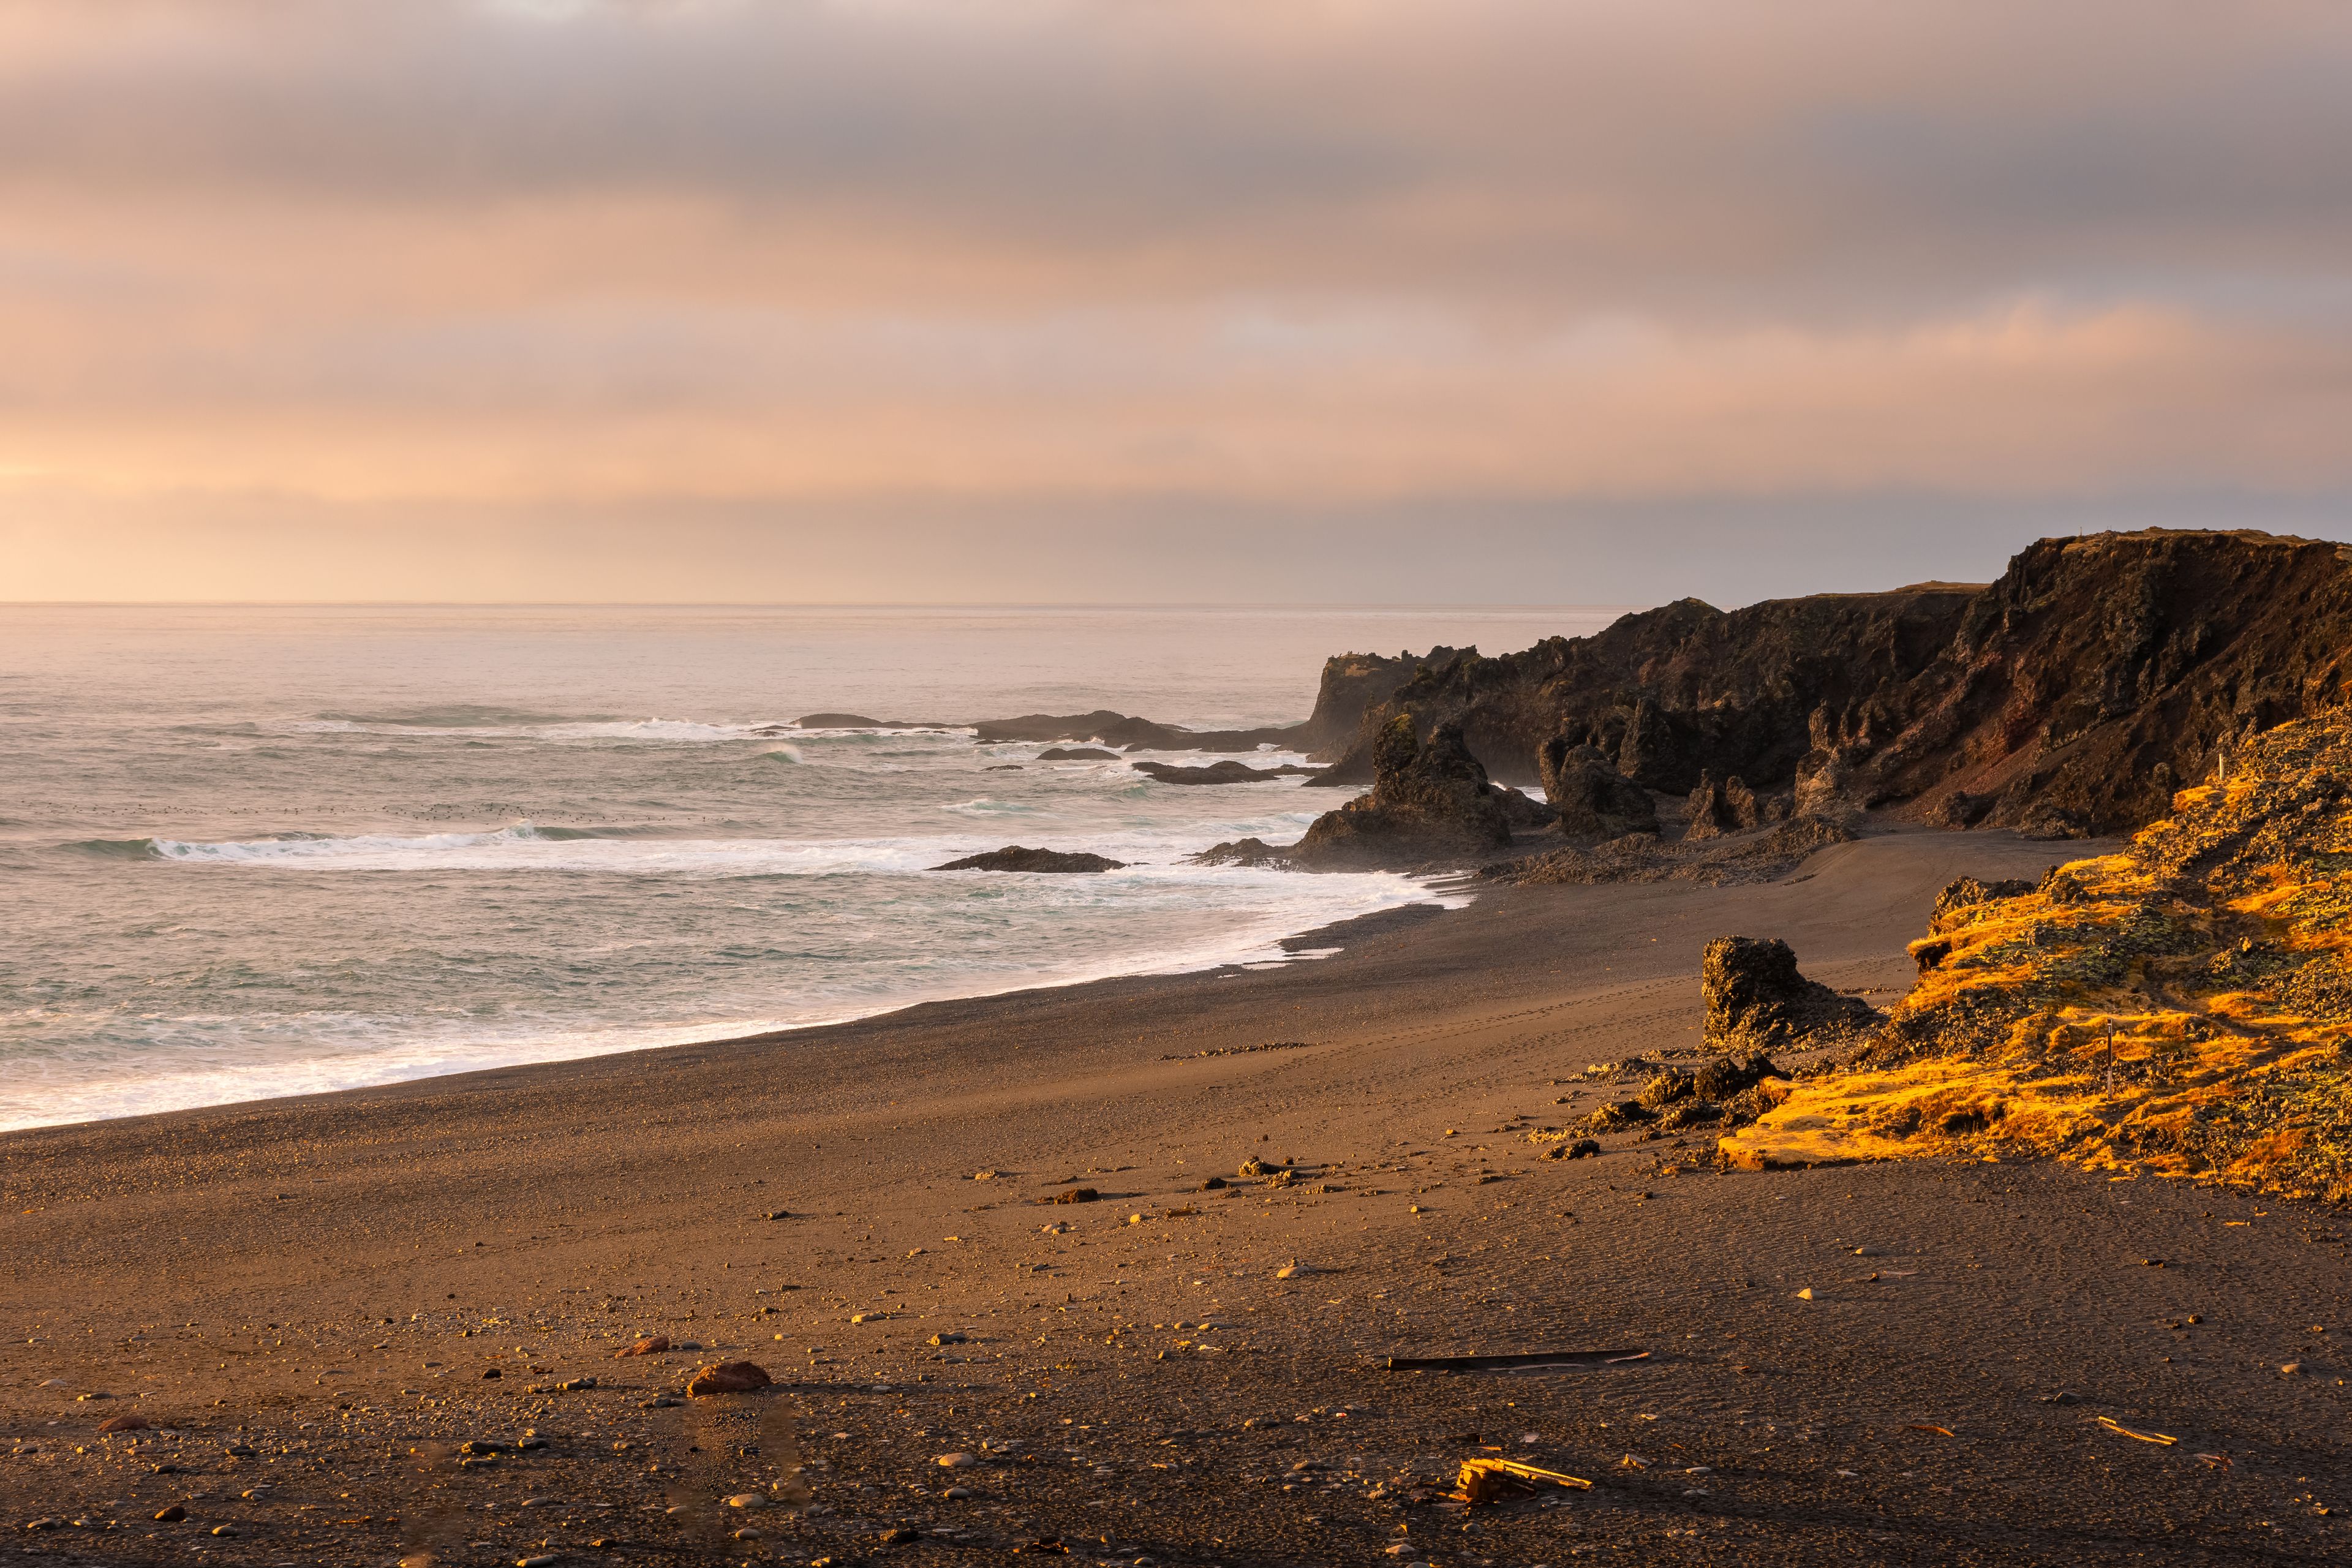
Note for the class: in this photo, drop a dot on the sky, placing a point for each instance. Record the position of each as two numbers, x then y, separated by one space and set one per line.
1156 301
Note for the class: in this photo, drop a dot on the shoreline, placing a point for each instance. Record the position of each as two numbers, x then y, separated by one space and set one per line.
305 1299
1297 947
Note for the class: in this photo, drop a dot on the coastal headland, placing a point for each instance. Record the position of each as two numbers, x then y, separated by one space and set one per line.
1170 1270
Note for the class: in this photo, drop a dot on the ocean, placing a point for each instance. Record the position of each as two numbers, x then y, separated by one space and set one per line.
247 852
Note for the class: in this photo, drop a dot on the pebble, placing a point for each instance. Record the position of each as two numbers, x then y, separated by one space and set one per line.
172 1515
748 1500
575 1386
728 1377
956 1494
950 1337
2292 1368
123 1424
956 1461
653 1344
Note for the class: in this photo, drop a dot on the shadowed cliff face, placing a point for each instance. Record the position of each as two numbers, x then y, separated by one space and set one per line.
2073 695
2101 674
1676 691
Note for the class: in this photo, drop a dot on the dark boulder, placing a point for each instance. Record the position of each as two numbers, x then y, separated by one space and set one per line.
1428 801
1523 812
1012 857
1593 800
1756 1000
1727 1075
1076 755
1964 892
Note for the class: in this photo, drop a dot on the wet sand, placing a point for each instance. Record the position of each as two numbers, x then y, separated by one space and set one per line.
325 1282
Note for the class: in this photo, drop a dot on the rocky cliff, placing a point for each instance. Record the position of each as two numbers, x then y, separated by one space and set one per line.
2073 695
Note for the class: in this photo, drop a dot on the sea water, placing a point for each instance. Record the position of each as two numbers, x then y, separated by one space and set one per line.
248 852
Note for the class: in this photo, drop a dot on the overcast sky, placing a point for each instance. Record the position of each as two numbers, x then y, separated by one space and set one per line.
1505 300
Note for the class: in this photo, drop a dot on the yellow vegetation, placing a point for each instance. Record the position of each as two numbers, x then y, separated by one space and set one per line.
2183 1008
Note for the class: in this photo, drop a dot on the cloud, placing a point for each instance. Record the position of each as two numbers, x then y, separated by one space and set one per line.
1339 253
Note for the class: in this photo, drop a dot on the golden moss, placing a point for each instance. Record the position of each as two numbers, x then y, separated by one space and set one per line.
2183 1008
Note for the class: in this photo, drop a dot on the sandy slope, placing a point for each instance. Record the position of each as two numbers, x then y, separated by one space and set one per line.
324 1282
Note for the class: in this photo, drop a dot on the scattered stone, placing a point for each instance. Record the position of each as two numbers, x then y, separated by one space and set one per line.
660 1402
575 1384
777 1214
2292 1368
1214 1184
748 1500
123 1424
481 1447
492 1371
956 1494
956 1461
1073 1195
172 1515
1666 1087
950 1337
900 1536
728 1377
653 1344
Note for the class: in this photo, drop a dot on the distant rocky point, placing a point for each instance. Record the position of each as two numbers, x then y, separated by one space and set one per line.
856 721
1012 857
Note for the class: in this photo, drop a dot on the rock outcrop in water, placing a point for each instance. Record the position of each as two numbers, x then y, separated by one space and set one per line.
1012 857
1429 801
1222 772
2073 695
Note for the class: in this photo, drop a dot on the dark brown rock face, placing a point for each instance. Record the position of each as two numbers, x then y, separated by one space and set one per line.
1674 691
1592 798
2073 695
1428 802
2101 674
1012 857
1755 1000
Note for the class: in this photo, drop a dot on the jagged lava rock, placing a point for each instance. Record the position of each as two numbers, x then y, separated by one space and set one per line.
1013 857
1591 798
1429 801
1756 999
